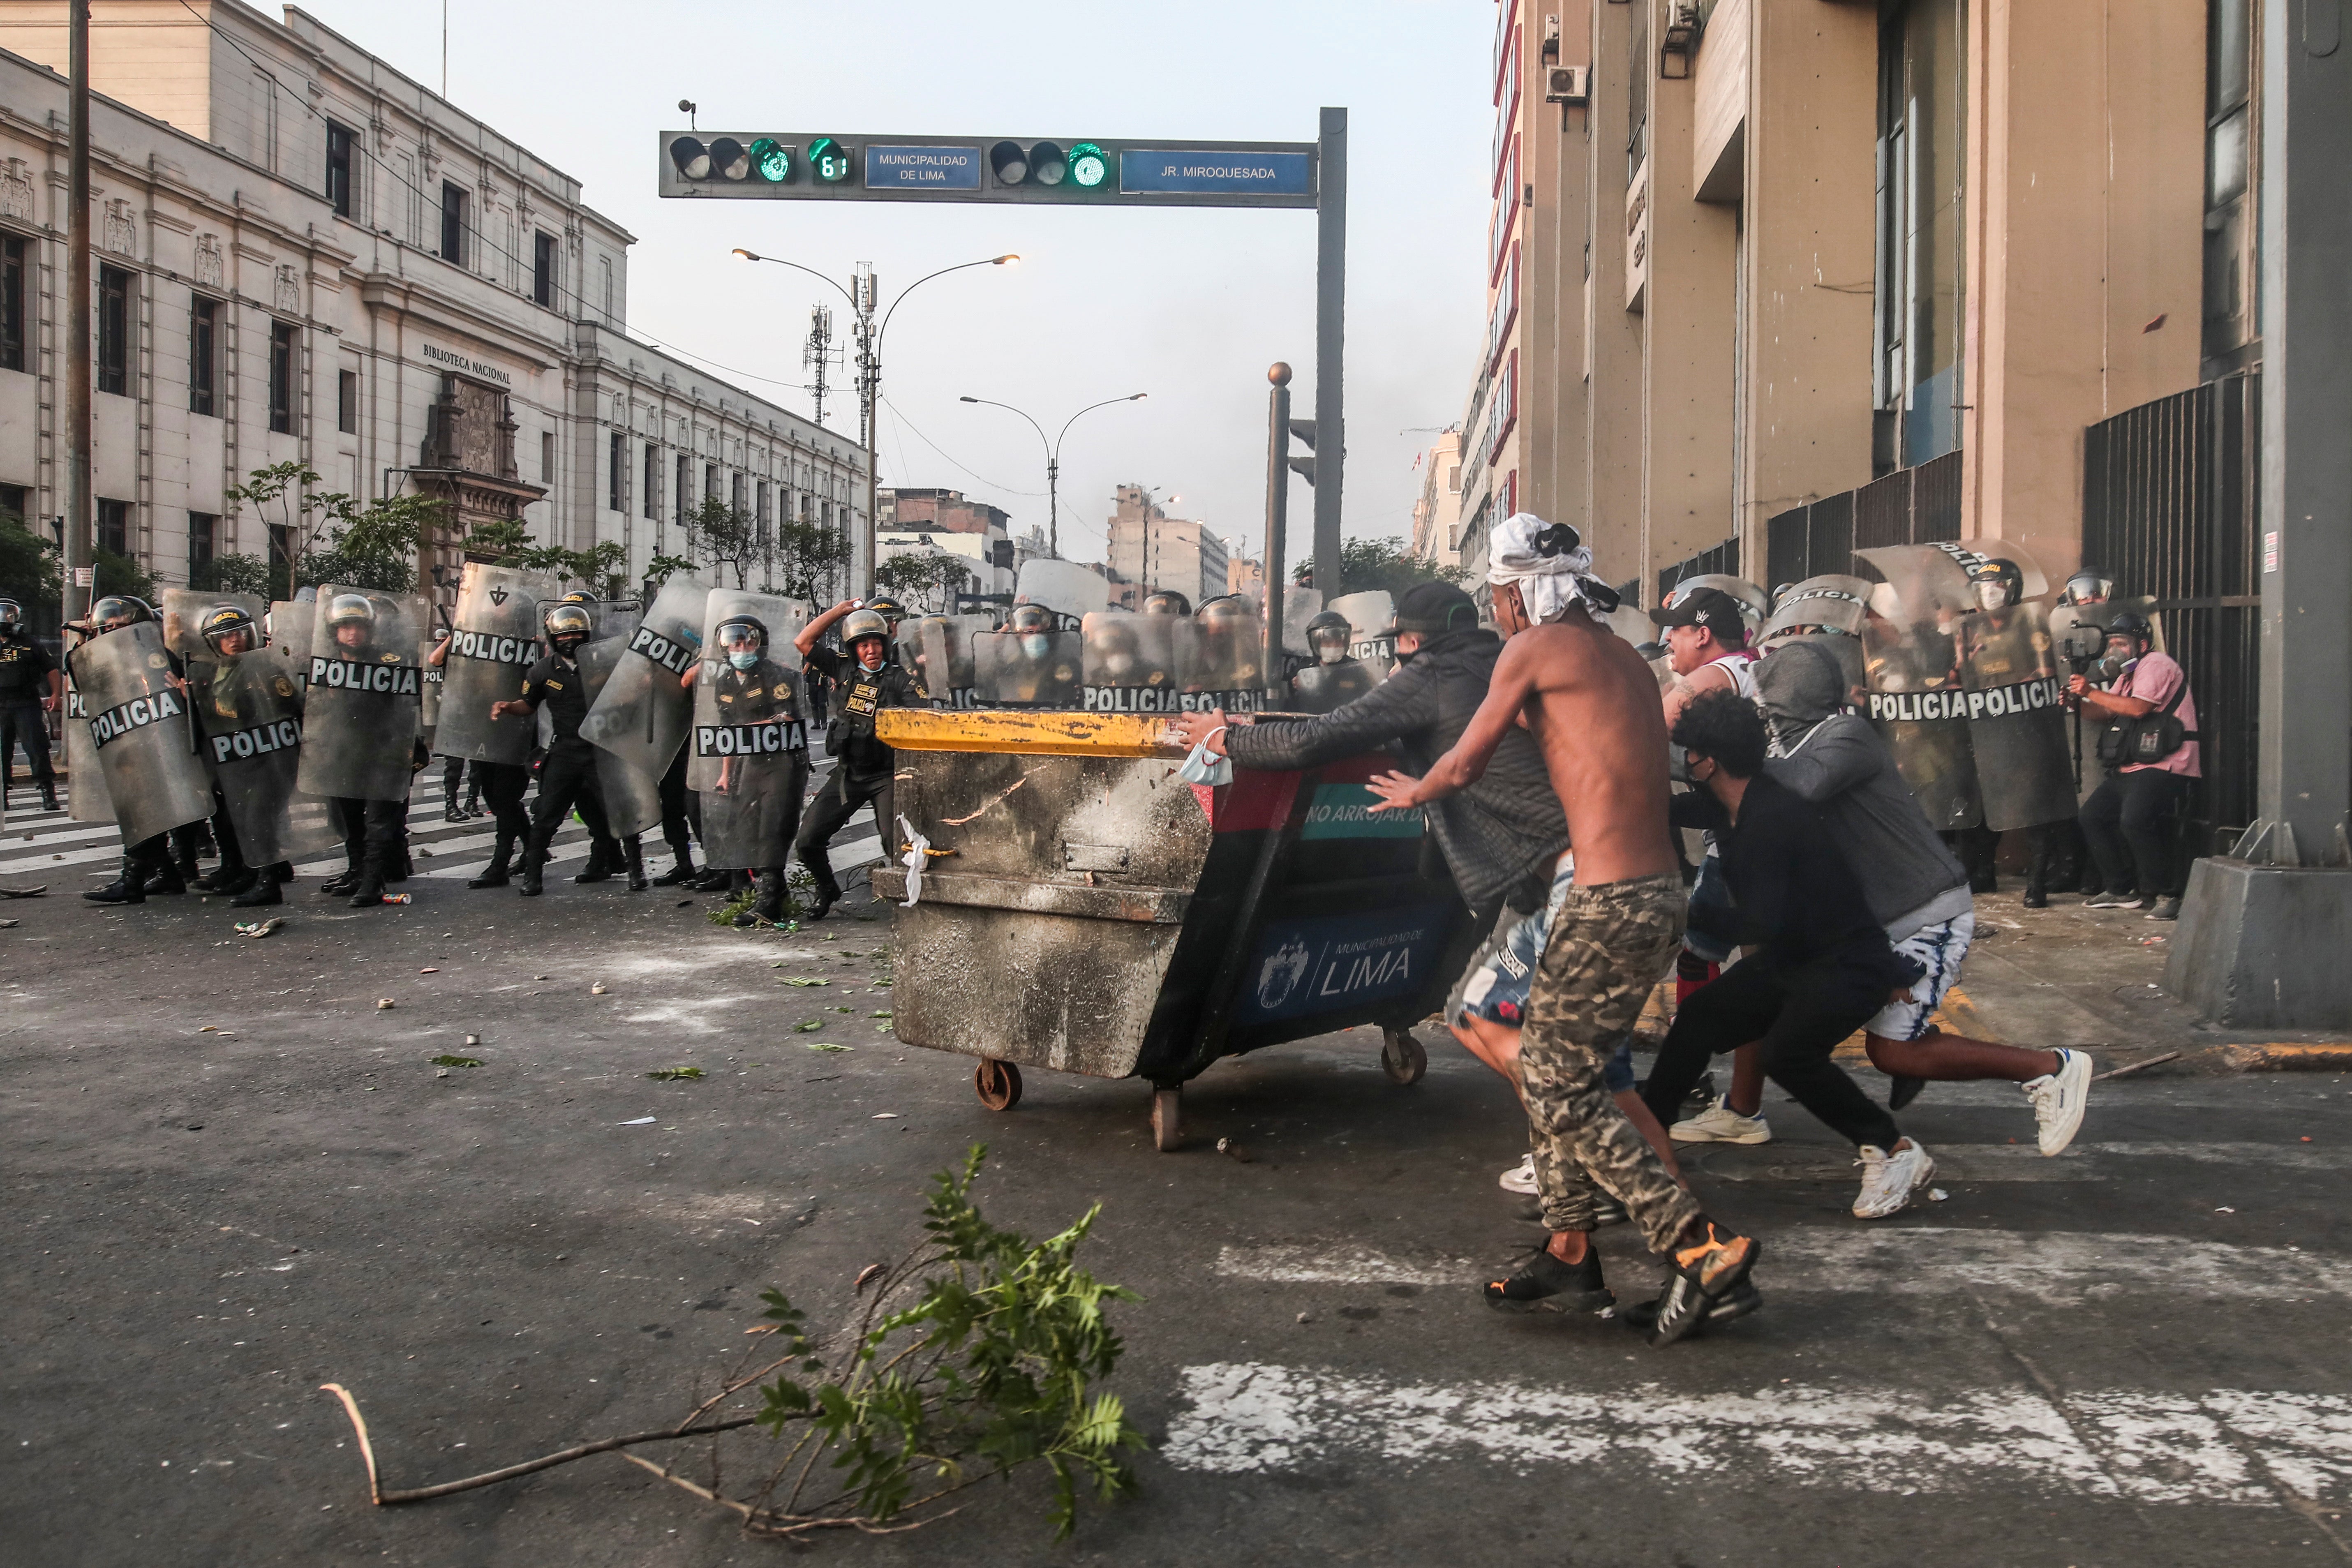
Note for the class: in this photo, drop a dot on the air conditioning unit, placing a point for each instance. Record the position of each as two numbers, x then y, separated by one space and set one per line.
1568 84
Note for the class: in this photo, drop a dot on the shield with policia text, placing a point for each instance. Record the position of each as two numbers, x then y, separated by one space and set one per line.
359 718
85 798
141 735
1137 664
1027 668
494 637
631 797
2016 685
748 755
936 651
1917 697
642 713
249 724
184 611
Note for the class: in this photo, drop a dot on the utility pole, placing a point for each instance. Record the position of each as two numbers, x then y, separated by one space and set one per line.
1054 503
1330 335
79 574
865 293
1277 514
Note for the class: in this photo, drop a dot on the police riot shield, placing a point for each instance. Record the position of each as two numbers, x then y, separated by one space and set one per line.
1369 615
632 796
642 713
359 722
1061 585
749 758
1231 673
249 723
1137 664
494 639
290 630
1833 602
1917 699
184 611
1853 670
86 797
1754 604
431 678
1028 669
2016 685
940 656
1327 688
140 731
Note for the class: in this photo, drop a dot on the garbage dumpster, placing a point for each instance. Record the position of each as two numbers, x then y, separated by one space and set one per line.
1084 909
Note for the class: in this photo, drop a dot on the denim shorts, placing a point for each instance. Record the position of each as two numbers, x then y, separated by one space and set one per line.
1494 988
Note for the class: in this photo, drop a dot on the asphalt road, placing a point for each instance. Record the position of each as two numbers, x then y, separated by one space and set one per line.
2131 1355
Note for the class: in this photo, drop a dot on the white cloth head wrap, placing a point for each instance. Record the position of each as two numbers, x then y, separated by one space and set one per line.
1550 565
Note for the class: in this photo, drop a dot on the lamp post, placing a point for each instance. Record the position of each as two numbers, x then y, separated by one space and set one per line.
1054 459
862 303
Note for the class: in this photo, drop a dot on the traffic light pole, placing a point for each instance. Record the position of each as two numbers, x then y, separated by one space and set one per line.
1277 516
1330 334
77 541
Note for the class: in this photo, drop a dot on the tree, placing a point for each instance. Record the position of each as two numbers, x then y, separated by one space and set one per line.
1367 565
806 557
725 537
120 575
232 575
333 537
923 573
28 565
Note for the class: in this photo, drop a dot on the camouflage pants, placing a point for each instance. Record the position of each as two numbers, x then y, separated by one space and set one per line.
1608 947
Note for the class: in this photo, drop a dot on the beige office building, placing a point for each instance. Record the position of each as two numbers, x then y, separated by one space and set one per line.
1150 550
1437 510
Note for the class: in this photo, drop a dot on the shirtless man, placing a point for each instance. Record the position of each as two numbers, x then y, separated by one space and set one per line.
1593 707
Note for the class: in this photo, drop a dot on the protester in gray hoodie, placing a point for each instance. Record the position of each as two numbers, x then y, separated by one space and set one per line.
1915 888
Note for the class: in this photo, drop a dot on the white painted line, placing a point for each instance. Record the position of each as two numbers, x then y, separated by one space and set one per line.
2053 1266
2227 1445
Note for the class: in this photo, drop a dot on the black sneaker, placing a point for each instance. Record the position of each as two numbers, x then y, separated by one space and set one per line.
1643 1316
1545 1284
1704 1273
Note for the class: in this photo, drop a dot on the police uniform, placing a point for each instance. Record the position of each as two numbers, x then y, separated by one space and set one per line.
863 763
25 668
567 776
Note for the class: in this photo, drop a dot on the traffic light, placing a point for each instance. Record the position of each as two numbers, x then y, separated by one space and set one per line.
1303 432
1089 166
829 161
1085 167
771 160
765 162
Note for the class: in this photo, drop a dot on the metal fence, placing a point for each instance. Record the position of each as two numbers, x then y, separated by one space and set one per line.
1723 558
2170 508
1909 506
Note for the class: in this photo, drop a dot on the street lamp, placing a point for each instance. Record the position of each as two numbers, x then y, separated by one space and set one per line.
869 362
1054 459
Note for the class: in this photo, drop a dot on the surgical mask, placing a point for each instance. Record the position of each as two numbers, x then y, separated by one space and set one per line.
1992 596
743 657
1329 653
1037 647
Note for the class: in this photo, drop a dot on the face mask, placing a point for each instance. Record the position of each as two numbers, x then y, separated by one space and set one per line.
1992 596
743 657
1326 653
1037 647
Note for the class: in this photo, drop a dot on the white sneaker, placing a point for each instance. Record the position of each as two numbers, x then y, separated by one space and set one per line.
1889 1180
2058 1098
1718 1123
1519 1178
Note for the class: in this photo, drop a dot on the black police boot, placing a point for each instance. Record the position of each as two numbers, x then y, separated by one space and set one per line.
49 797
231 880
827 895
769 908
400 865
600 866
531 887
501 858
264 891
343 881
128 888
710 879
168 878
635 866
679 874
370 890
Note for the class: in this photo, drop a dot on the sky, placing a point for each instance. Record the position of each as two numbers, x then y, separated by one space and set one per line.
1187 306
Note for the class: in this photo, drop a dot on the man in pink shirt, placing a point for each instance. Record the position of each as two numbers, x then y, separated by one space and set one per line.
2133 820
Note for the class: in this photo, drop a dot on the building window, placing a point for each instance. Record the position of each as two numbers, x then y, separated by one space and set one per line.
619 458
653 480
281 550
12 302
347 401
763 507
203 352
685 484
741 493
338 169
281 377
203 539
710 481
547 457
542 270
453 223
113 330
114 526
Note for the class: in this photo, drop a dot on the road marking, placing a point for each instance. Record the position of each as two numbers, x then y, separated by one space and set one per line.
2053 1266
2228 1446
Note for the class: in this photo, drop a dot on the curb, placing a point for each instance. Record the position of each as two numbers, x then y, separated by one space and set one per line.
2286 1058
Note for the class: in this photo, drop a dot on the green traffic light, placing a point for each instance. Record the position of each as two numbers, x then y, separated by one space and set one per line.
771 161
1089 166
828 161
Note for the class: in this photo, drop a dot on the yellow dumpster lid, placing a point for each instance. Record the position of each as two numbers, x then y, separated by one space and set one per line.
1038 733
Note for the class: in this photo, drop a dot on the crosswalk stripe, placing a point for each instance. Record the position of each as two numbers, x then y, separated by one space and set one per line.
2226 1446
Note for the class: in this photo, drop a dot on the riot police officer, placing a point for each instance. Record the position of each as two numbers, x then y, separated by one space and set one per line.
1334 678
870 681
567 775
30 687
752 756
164 862
375 826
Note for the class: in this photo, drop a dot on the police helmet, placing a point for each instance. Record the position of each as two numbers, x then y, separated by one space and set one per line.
1994 570
224 621
1223 608
1330 631
882 604
1167 602
739 630
869 622
1030 618
568 622
121 610
2087 587
2133 624
1780 591
12 614
578 596
351 610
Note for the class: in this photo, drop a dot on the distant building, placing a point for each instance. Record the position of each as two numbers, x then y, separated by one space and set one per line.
1243 575
925 521
1151 550
1437 514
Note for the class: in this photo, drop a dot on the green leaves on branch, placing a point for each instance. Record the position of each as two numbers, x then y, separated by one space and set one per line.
326 536
1367 564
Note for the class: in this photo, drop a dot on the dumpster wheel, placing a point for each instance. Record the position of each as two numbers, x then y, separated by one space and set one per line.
997 1083
1401 1056
1167 1119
